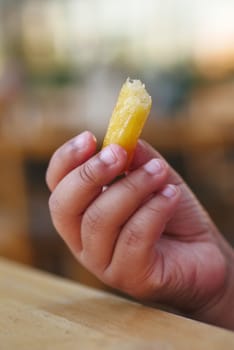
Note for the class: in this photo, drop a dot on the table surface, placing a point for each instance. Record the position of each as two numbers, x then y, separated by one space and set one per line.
40 311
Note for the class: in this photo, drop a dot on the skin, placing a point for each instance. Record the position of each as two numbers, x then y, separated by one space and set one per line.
146 234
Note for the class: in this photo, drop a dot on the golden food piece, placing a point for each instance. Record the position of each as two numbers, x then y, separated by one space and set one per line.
129 116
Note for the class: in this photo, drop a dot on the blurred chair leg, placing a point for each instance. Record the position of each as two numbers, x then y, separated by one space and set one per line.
14 236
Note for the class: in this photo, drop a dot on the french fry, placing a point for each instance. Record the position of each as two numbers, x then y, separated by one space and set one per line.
129 116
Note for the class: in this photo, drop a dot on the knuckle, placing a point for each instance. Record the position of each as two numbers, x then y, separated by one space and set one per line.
90 262
130 185
93 219
54 205
155 209
113 278
87 174
132 235
120 280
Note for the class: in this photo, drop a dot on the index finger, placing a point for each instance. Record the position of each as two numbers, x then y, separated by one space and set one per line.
80 187
70 155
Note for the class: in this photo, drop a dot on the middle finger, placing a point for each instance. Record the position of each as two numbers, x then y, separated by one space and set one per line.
103 220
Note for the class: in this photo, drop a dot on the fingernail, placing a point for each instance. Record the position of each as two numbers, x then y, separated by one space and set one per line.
107 156
169 191
154 166
81 140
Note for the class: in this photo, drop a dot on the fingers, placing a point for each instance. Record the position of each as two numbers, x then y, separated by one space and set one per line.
113 233
79 188
189 212
69 156
105 217
136 245
144 152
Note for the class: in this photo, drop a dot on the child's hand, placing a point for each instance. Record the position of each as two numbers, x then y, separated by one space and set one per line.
146 234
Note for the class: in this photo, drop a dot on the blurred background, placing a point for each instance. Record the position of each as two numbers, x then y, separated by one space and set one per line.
62 63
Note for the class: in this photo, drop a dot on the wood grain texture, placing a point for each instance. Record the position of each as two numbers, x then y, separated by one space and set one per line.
40 311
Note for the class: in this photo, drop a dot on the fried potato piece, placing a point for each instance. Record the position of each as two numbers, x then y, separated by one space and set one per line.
129 116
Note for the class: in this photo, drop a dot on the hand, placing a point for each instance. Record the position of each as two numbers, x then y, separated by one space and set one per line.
146 234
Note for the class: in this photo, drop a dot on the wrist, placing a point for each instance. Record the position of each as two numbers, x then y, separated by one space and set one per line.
220 310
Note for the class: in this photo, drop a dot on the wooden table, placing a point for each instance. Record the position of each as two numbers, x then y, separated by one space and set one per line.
40 311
